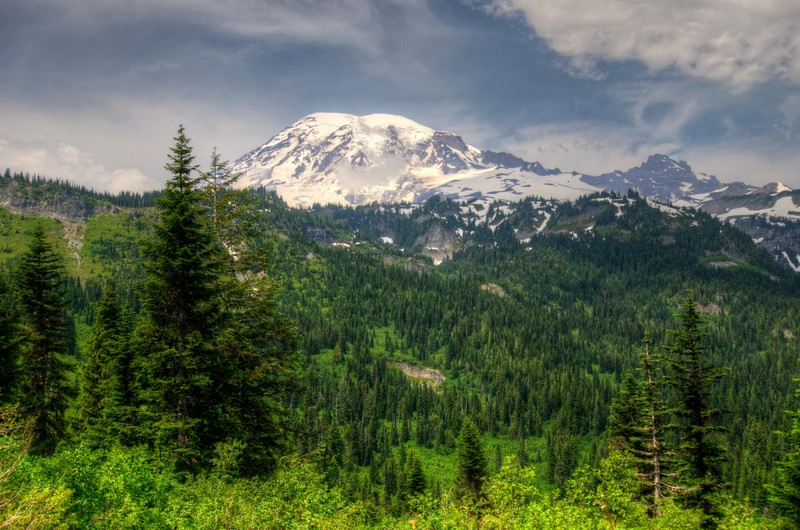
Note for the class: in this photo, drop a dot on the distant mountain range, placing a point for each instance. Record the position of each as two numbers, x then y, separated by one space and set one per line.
352 160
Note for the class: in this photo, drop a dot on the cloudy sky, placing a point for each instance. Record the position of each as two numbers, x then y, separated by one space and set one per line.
93 90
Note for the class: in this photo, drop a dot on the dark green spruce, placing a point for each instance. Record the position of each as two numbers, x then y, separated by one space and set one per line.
178 368
785 491
10 337
701 451
471 460
105 399
45 390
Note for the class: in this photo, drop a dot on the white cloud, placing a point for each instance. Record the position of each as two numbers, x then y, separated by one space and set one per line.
123 142
739 161
65 161
739 43
585 147
594 148
349 23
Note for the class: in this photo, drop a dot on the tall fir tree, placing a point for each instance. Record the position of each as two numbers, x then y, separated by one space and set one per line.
10 339
626 416
700 451
415 476
45 390
260 349
231 213
471 460
179 370
654 453
104 401
635 427
784 492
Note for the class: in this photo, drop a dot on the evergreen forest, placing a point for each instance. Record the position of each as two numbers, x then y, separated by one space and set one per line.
204 356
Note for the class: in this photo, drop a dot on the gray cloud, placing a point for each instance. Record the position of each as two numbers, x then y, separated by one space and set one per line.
112 80
738 43
62 159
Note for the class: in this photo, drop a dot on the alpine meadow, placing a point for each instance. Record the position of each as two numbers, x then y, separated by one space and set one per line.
206 356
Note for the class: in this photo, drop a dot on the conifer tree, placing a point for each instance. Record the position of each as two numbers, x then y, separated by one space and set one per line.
104 401
471 460
219 358
653 452
10 338
415 477
260 348
44 386
636 427
784 493
180 369
230 213
700 452
625 417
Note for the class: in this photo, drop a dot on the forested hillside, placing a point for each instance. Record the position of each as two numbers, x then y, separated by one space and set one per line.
204 357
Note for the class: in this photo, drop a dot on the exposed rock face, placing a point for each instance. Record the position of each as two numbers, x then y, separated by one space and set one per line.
318 235
660 178
438 242
420 372
346 159
493 288
63 206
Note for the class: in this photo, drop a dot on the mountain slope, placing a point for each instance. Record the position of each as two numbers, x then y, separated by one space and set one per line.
345 159
660 178
351 160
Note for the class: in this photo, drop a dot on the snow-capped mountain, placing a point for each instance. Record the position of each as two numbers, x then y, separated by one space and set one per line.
660 178
770 215
346 159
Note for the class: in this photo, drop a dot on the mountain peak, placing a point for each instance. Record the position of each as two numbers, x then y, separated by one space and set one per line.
660 177
342 158
660 162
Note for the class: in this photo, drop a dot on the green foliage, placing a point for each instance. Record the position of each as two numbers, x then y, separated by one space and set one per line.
23 502
700 450
296 496
617 490
10 338
105 401
231 213
118 488
471 461
178 369
785 492
44 389
509 492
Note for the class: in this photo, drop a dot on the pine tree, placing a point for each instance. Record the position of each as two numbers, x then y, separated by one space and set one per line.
44 387
471 460
625 417
104 402
230 213
10 339
179 372
260 348
652 458
415 477
784 493
700 452
636 427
